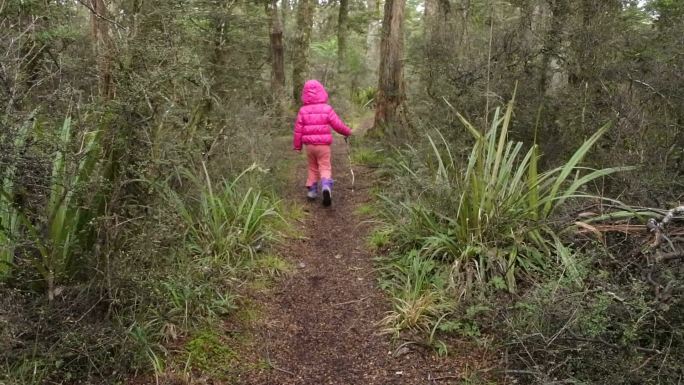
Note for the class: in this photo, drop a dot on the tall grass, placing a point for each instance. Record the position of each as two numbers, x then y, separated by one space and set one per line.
227 223
489 220
416 284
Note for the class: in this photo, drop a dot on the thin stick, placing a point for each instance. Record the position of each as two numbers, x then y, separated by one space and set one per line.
283 370
430 378
351 169
270 363
350 302
99 16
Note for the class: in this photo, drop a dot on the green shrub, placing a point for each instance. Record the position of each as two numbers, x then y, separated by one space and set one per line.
490 220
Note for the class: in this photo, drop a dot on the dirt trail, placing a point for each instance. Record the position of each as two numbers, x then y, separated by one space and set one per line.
320 326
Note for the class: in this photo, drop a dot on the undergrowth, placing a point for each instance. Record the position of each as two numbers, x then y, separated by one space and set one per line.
476 249
215 237
490 222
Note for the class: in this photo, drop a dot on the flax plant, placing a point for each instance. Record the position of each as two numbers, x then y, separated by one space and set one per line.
55 240
490 220
9 222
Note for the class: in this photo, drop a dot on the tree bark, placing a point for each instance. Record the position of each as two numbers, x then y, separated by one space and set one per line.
300 56
342 29
103 47
390 110
277 51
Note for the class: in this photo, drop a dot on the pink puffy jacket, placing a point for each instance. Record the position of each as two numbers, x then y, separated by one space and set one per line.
316 117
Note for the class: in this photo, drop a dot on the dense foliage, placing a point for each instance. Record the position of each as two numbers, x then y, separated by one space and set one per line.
517 145
132 198
494 222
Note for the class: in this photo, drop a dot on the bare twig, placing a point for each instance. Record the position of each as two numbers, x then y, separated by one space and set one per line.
351 169
405 344
447 377
650 87
670 256
282 370
89 310
350 302
658 228
611 345
99 16
270 363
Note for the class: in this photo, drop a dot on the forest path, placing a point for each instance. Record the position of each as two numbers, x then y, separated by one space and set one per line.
320 325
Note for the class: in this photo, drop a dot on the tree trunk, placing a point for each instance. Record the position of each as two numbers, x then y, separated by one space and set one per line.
300 62
277 51
342 29
390 110
103 47
553 74
438 42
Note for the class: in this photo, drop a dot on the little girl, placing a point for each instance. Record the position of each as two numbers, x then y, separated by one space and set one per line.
312 128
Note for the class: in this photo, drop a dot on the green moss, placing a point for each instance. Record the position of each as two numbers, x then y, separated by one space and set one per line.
211 353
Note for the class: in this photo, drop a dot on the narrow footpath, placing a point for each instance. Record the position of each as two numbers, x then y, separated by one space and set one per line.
320 325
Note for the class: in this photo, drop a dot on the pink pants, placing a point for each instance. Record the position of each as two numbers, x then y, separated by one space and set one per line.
319 163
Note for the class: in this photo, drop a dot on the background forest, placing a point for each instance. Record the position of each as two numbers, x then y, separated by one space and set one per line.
528 154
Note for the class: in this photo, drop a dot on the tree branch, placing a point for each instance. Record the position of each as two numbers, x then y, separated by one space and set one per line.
99 16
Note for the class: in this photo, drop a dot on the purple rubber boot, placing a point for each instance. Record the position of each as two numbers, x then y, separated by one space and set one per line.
326 185
312 192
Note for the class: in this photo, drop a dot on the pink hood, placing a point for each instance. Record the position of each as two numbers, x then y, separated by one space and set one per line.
314 93
316 118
